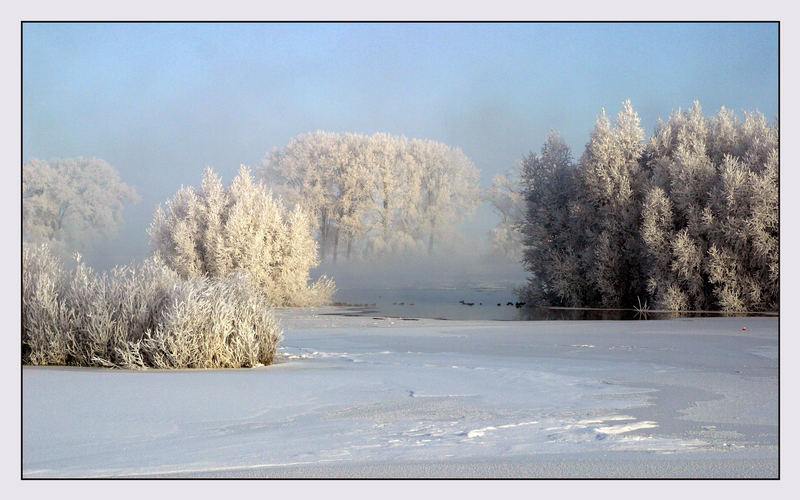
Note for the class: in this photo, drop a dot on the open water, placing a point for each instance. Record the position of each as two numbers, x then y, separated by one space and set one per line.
481 303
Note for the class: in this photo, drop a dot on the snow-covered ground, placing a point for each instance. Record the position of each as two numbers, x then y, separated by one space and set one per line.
364 397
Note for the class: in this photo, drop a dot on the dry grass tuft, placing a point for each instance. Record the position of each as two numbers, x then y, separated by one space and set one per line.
141 316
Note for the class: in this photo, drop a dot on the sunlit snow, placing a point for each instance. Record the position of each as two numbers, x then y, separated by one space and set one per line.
353 391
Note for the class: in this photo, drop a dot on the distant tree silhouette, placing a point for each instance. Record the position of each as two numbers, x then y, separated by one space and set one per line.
69 203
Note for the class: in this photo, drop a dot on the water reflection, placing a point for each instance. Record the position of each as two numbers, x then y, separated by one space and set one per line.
483 304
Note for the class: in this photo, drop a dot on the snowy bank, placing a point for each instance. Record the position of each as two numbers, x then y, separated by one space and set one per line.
364 397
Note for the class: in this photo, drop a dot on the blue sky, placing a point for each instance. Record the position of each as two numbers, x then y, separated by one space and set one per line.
162 101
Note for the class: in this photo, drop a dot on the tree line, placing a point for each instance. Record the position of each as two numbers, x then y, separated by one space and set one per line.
223 256
685 220
375 195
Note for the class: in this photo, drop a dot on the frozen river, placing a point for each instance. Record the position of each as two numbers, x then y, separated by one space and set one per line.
365 397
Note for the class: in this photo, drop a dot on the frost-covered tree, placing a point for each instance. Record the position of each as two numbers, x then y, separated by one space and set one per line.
376 194
688 221
69 203
304 173
395 196
659 240
554 244
743 254
505 196
610 181
217 230
720 179
448 188
355 187
682 178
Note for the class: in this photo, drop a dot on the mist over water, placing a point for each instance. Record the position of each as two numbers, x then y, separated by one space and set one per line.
457 286
429 286
454 286
466 267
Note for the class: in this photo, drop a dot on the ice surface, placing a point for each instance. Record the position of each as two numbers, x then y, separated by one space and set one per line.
352 394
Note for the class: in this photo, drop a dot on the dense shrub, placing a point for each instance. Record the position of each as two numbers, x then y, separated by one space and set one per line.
216 230
137 316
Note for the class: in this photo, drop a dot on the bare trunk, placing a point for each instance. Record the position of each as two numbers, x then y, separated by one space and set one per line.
433 224
323 236
385 216
335 244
